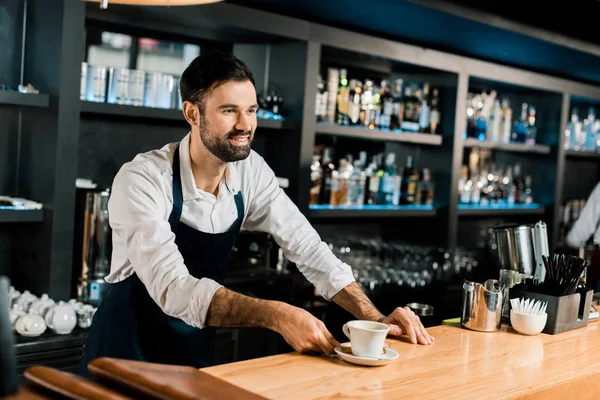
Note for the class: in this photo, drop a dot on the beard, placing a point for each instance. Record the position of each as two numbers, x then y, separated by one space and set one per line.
220 146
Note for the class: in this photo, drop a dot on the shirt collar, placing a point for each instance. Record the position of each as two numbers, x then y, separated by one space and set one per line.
188 184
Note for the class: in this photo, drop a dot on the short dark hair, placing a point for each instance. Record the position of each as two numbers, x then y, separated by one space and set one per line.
209 71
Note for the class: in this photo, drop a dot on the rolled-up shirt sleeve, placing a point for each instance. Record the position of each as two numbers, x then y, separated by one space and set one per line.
137 214
272 211
587 223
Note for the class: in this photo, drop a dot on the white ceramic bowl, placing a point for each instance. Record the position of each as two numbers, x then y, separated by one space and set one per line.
528 324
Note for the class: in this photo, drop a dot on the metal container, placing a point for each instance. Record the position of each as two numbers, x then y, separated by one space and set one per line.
482 305
152 92
137 80
118 85
516 248
96 248
96 84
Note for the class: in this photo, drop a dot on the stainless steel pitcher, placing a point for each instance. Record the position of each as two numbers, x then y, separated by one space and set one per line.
516 248
482 305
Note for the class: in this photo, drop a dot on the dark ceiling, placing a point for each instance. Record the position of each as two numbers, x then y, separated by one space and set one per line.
477 34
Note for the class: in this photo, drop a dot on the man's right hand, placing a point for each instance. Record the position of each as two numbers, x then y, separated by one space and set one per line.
304 332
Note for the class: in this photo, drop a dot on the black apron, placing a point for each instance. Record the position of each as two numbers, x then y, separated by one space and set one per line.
130 325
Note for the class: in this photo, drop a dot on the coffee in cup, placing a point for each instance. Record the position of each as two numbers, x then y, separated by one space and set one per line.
367 338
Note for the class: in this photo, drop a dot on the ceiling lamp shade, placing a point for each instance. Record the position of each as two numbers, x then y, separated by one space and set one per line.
104 3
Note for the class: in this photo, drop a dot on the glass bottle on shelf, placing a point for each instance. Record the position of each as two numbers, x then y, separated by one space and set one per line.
408 186
506 126
573 131
354 102
375 178
425 189
462 181
411 105
494 122
386 102
375 108
527 191
327 180
519 134
321 100
435 114
342 99
424 115
590 131
316 176
531 126
397 105
387 184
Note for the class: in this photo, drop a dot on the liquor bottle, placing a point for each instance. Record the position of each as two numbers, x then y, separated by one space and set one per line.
375 108
408 186
519 134
342 99
527 191
435 115
321 100
387 106
494 122
366 103
316 176
411 104
375 180
397 105
424 114
462 181
519 184
425 189
506 122
573 131
470 133
354 102
326 182
387 183
589 129
531 126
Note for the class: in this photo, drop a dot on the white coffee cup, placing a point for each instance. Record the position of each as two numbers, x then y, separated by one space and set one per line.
366 337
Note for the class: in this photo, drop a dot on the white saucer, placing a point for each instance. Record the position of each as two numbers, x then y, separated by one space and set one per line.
390 356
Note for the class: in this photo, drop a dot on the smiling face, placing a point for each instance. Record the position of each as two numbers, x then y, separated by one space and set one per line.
229 120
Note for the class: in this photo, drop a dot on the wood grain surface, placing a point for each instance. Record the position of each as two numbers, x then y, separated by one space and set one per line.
166 382
69 385
462 364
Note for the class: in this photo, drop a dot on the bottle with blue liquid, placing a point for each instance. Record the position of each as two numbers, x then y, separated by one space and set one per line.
590 129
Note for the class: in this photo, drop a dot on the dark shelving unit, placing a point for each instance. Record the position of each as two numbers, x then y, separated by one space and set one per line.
510 147
375 211
377 134
175 115
581 154
17 215
295 51
467 210
10 98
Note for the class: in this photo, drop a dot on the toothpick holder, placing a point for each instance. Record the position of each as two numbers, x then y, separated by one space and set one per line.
565 313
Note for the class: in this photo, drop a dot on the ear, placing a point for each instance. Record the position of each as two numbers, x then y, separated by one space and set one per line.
191 112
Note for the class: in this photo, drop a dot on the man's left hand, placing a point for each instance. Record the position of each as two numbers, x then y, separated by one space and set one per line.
404 321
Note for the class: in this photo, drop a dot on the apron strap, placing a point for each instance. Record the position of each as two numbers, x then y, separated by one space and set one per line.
239 205
177 193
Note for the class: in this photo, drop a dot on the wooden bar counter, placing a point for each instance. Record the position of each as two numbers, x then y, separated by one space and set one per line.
462 364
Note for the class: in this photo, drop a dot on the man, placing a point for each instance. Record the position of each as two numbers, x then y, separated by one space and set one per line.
175 214
588 226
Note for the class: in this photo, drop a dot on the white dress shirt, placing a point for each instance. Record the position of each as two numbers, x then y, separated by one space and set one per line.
588 223
139 208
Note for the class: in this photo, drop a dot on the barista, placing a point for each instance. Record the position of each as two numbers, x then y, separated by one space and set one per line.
586 227
175 214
